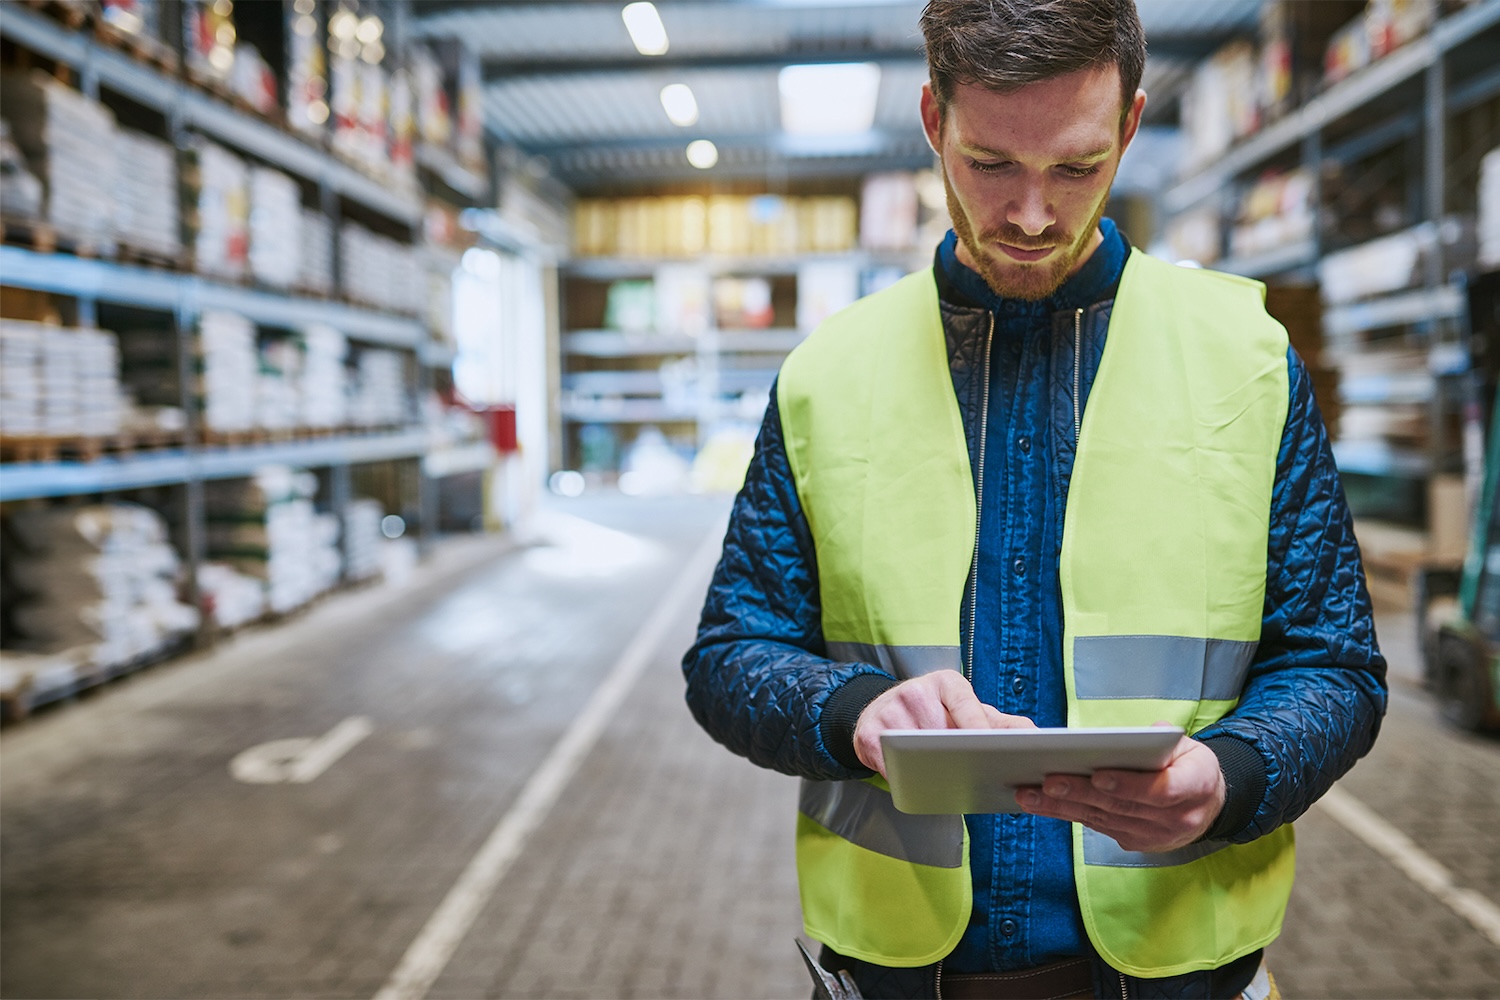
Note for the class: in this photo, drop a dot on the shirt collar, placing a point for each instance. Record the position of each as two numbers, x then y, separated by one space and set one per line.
1094 281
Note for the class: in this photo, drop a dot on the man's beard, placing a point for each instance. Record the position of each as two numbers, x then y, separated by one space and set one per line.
1013 279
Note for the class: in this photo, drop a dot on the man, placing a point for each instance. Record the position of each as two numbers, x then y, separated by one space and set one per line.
1051 482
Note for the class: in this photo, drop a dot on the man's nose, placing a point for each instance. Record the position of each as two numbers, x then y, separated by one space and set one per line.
1030 210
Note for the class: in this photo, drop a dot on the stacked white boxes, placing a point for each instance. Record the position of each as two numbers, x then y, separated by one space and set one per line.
230 597
324 393
69 140
230 371
59 381
99 581
1489 209
221 246
381 272
278 392
316 254
363 539
268 528
379 390
146 197
20 387
275 223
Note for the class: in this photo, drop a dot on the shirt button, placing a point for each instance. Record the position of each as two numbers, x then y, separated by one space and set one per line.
1025 445
1008 927
1018 685
1019 566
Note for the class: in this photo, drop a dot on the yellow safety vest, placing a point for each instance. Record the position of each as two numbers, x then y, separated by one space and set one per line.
1163 572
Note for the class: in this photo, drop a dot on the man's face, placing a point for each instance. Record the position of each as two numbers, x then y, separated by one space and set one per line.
1028 174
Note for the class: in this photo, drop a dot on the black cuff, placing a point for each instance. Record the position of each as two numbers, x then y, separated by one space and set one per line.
1244 785
841 712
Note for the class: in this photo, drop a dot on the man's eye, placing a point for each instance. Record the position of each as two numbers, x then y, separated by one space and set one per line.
989 167
1073 171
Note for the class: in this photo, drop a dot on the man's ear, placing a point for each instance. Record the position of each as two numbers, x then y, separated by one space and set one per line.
932 119
1132 120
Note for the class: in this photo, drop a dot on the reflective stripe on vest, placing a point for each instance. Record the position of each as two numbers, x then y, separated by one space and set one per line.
1162 574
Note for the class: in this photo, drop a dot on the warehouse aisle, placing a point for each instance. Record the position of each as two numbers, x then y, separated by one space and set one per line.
136 865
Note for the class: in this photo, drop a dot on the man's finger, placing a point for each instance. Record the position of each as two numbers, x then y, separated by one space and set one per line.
964 707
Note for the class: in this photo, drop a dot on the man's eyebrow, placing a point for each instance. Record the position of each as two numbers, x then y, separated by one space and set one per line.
1000 154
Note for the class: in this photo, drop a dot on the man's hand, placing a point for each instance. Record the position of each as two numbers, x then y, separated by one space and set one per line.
943 699
1142 810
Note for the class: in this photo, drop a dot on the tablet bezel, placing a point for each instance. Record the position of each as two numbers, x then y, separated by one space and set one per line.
965 771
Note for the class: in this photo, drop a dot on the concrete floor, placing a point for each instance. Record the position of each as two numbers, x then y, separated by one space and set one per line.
134 864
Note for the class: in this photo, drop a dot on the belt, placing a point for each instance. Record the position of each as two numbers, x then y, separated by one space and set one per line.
1069 978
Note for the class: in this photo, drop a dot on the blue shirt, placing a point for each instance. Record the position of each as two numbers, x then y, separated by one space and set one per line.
1025 901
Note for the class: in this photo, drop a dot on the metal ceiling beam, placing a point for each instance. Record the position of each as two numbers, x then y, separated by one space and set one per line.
873 142
497 70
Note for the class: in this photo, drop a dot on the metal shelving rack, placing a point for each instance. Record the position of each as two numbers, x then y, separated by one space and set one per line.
1424 71
183 296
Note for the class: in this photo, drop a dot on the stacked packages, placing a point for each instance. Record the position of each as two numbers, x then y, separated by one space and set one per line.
69 141
275 223
363 539
316 253
381 272
324 381
146 215
230 371
379 397
222 242
58 382
268 528
98 582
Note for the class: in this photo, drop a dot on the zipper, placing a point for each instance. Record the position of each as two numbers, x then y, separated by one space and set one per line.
1077 378
1124 993
937 982
984 423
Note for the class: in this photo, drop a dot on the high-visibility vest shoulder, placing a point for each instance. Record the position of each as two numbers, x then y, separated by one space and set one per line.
1162 572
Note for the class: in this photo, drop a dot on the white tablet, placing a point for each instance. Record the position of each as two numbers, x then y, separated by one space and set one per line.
979 770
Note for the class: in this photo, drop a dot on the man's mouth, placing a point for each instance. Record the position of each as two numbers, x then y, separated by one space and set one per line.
1024 255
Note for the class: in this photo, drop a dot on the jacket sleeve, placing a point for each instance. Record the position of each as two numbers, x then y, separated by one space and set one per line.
757 677
1316 690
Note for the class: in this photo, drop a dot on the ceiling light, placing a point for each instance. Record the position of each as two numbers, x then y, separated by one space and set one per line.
369 29
702 154
681 106
828 99
645 27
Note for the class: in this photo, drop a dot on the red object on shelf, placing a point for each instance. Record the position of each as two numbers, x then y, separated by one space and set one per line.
501 423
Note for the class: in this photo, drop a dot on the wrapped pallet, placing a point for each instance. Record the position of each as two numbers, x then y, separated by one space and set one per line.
100 581
268 528
363 540
69 141
229 371
379 398
221 212
324 395
275 223
146 196
230 598
59 381
316 253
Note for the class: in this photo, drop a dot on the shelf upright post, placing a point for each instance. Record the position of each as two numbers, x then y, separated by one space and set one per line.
1435 136
1312 160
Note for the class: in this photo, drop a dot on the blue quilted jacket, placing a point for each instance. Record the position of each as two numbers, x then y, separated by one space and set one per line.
758 680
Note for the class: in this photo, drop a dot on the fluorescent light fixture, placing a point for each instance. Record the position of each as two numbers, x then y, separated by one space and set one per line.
828 98
681 106
645 27
702 154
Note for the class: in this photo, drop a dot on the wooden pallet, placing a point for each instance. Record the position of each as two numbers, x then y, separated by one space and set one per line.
73 13
142 48
150 258
80 448
43 237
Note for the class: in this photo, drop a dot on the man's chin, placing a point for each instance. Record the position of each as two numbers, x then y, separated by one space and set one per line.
1027 283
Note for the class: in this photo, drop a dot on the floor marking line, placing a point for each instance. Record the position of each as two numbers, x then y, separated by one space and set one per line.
1419 866
428 955
325 751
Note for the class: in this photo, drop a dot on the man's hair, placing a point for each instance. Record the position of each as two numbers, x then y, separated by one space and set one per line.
1003 45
